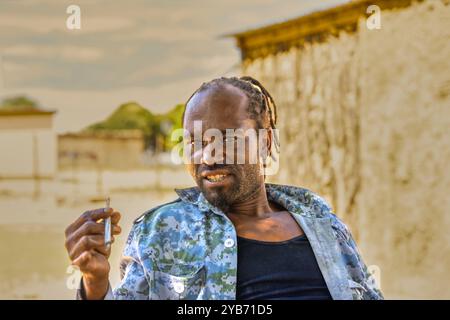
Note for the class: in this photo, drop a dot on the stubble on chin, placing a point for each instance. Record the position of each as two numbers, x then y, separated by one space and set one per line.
217 199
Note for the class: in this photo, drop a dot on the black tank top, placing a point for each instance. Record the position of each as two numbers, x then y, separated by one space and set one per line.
284 270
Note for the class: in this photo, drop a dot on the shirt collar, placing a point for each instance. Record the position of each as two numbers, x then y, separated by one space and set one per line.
294 199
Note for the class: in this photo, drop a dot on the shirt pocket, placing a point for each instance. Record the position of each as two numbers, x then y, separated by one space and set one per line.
357 289
167 286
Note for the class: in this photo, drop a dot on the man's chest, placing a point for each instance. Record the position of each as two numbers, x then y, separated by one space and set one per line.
279 227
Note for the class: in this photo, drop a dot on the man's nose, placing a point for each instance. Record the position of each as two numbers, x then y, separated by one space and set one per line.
212 154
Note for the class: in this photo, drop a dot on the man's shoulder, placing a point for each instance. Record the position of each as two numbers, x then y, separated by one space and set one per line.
163 221
308 204
300 200
186 198
174 207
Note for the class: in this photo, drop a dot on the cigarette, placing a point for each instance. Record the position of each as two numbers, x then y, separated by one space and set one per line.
108 226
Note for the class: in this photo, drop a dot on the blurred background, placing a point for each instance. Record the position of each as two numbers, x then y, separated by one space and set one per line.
89 96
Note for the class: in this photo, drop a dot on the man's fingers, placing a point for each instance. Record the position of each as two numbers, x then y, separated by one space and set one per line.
92 215
87 243
82 260
115 217
103 250
88 228
91 228
116 229
92 263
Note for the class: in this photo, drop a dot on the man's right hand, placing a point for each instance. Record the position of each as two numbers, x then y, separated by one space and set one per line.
85 244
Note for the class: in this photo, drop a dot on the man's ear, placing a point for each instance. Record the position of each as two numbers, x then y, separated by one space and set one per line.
269 141
266 136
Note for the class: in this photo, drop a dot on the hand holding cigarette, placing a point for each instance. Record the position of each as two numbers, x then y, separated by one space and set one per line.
88 243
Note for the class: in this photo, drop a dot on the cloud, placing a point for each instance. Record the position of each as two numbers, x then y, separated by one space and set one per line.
13 73
23 19
156 52
69 53
31 23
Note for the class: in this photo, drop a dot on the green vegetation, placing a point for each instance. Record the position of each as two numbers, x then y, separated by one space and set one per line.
156 129
18 103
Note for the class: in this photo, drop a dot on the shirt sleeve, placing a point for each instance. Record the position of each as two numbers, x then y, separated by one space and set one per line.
372 291
355 263
81 294
134 284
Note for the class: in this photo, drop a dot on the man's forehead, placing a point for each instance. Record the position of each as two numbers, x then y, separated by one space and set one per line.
226 128
225 101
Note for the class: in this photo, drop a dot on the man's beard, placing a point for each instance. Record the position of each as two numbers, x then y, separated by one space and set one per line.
243 187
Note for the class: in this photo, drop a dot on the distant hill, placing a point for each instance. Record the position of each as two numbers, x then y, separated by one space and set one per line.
132 116
19 103
127 116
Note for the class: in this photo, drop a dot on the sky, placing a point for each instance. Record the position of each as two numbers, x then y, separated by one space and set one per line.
155 52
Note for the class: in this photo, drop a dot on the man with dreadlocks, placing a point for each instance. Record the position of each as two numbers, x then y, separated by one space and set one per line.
233 236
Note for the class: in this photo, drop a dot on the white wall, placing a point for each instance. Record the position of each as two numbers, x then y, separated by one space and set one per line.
16 153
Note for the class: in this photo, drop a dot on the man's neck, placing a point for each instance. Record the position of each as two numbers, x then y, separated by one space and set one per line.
256 206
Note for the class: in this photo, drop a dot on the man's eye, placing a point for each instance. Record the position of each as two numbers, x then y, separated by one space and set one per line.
194 142
189 142
231 139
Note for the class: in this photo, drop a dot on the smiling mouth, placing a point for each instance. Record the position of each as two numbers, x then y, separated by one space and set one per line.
216 178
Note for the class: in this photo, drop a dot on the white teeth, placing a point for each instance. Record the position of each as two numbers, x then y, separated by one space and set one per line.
216 178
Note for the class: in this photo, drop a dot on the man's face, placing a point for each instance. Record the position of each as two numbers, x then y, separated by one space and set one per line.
222 108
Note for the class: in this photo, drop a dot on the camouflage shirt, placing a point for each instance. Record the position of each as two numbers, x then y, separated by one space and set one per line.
187 249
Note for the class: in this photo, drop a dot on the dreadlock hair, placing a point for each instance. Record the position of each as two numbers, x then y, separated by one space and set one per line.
261 104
